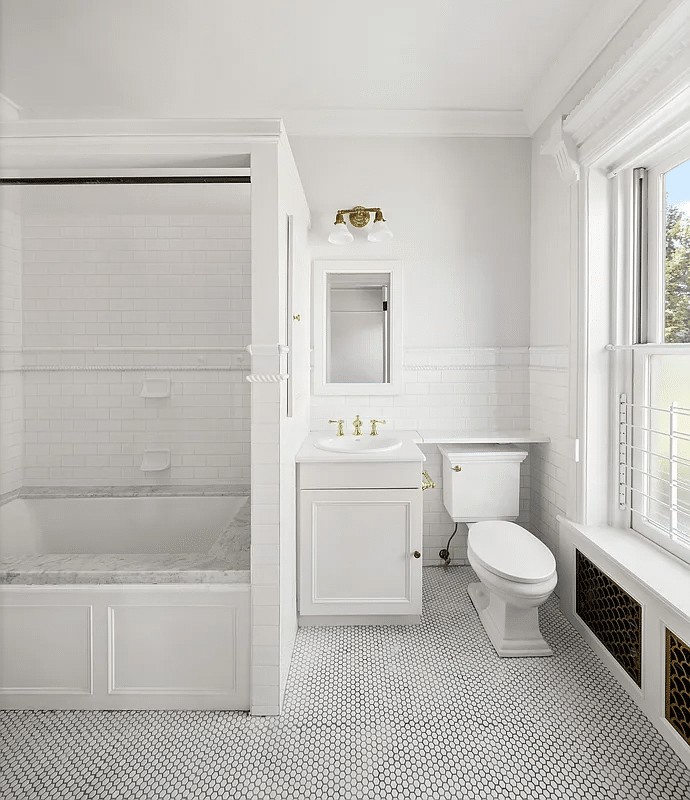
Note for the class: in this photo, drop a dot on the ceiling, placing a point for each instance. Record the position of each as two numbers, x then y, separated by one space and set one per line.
300 59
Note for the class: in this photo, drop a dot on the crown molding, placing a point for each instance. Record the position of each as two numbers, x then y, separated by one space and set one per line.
419 123
644 97
589 39
165 128
121 143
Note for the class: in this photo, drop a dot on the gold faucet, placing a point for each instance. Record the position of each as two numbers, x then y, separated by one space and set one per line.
374 422
340 423
357 422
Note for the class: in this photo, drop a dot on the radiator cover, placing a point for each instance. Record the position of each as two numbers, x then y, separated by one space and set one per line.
612 615
678 684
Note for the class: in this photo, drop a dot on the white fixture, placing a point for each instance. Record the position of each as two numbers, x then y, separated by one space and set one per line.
517 572
358 444
155 387
155 460
360 535
340 235
380 232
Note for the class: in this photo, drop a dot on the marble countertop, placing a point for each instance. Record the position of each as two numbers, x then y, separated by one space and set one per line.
226 562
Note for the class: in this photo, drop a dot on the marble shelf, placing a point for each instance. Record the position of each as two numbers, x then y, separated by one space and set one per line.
479 437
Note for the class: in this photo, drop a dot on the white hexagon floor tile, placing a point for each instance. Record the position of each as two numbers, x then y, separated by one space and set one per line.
387 713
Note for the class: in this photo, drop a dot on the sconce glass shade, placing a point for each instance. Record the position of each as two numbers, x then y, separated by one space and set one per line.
340 234
380 232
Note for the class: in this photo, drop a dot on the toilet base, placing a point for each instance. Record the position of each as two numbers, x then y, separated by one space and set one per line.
513 631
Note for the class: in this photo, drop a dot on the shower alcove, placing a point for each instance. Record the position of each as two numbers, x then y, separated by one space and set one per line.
113 629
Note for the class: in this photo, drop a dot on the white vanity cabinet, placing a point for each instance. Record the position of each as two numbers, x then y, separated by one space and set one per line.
360 542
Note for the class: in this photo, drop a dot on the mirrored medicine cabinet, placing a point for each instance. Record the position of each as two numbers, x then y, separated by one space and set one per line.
357 336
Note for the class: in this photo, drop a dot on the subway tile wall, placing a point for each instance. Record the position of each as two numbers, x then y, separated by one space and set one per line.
450 389
11 403
111 300
552 464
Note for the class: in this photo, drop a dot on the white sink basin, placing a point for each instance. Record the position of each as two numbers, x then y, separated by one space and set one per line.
358 444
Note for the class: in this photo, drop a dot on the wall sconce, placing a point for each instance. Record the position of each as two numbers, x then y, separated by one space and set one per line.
359 217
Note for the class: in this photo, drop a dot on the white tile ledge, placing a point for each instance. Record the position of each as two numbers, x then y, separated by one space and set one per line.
479 437
660 572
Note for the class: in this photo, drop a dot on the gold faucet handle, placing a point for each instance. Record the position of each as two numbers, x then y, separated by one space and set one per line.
339 423
374 423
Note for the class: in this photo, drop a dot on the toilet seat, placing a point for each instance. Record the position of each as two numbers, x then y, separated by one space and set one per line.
509 551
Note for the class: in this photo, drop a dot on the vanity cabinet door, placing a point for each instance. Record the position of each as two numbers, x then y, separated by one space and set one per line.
357 552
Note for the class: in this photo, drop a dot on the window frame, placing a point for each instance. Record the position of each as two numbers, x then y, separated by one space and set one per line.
646 313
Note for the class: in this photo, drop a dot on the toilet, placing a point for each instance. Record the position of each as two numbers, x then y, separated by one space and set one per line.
517 572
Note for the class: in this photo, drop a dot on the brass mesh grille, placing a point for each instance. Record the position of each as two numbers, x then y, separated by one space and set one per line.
678 684
612 615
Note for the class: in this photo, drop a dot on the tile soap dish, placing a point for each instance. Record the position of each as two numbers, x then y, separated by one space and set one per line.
155 387
155 460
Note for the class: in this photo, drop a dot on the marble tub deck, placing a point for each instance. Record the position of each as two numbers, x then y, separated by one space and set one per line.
227 561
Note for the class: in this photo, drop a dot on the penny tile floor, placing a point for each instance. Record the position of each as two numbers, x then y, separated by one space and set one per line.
385 713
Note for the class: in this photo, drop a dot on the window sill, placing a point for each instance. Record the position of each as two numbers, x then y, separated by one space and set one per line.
660 572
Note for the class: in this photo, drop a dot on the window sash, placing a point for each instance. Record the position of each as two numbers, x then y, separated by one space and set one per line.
647 236
655 465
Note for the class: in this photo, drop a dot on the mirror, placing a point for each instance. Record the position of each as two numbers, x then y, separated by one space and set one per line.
357 328
356 334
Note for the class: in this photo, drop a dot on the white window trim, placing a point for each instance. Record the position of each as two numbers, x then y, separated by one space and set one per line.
641 107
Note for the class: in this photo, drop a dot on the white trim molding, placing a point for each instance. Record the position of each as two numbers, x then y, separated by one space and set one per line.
267 378
390 122
562 148
644 98
131 144
587 41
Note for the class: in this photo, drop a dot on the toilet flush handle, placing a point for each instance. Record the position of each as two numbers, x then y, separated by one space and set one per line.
427 483
457 469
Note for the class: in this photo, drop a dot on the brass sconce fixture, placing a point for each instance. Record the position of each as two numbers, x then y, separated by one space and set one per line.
359 217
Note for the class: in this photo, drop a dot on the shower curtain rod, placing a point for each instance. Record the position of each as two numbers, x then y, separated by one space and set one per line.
126 180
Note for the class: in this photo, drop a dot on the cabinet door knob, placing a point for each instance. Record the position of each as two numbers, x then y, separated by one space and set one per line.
417 554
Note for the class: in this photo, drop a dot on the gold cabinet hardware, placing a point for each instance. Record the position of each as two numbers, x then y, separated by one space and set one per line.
357 422
374 423
457 469
427 483
339 423
295 317
417 554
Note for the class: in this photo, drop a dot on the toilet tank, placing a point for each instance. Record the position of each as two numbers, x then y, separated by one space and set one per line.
481 481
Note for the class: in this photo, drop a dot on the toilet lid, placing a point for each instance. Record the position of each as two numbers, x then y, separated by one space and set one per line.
510 551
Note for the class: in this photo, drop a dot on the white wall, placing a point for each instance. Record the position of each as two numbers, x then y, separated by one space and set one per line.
293 428
459 209
11 395
276 193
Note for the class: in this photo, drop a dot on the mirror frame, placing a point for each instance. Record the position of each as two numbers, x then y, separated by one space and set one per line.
321 272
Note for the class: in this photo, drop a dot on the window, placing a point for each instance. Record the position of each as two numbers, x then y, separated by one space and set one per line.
655 421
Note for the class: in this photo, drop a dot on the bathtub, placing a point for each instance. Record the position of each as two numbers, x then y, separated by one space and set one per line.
125 602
